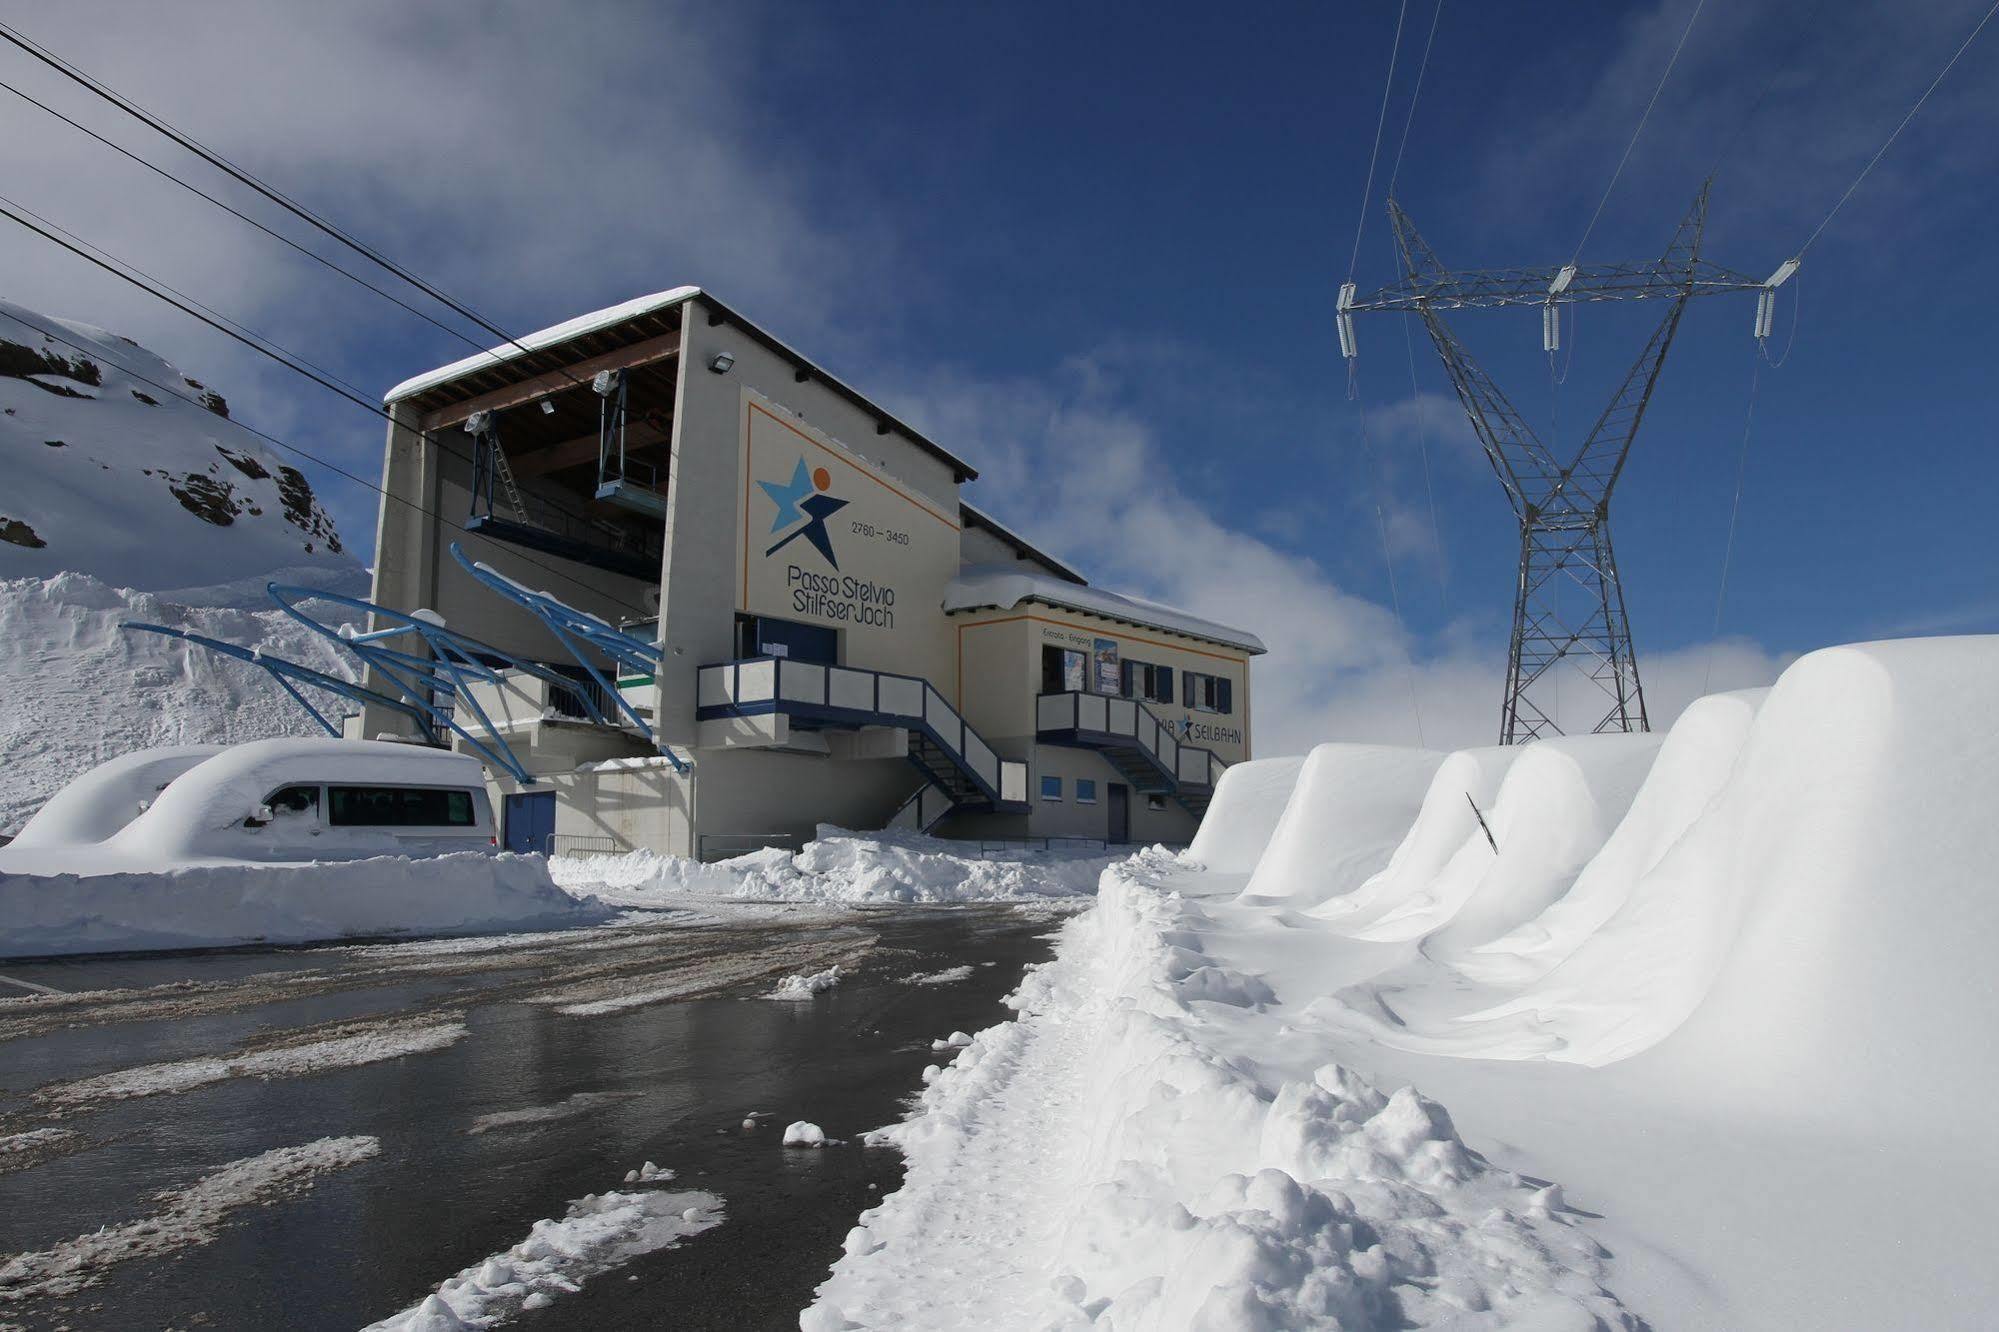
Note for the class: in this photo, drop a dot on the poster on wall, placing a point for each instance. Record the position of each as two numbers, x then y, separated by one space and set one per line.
1073 672
1108 679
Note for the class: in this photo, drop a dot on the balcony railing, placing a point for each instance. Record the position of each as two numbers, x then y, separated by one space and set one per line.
1103 715
850 695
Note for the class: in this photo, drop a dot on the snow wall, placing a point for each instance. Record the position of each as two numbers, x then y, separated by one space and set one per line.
1787 875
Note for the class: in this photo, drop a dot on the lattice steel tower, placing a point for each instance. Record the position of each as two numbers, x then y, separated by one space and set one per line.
1564 508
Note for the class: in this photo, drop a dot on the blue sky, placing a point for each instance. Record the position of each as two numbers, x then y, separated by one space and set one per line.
1106 240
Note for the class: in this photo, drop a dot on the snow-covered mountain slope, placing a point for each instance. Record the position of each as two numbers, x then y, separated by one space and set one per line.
109 483
79 690
108 474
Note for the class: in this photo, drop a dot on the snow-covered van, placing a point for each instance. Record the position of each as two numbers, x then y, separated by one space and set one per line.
295 800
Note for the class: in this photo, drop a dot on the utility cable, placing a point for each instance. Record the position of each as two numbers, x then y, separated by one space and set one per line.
1735 509
1377 476
1890 142
1381 122
276 235
129 273
272 193
1677 48
1415 96
98 354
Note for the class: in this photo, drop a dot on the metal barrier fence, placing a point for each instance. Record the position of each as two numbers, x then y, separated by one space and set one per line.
583 844
722 846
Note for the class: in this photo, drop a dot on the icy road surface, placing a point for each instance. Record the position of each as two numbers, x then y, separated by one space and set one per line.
326 1138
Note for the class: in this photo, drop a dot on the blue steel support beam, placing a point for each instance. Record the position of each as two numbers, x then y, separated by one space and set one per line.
286 672
576 630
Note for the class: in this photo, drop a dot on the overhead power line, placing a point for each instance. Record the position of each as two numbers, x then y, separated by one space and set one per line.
277 196
1415 96
1367 191
1607 190
226 207
1882 151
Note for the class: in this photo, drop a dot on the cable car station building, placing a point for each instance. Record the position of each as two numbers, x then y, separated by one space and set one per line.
842 638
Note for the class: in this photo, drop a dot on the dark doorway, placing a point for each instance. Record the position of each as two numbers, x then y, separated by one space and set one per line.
1118 796
762 636
531 823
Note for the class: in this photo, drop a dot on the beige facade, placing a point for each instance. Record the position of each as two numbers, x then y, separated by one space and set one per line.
806 546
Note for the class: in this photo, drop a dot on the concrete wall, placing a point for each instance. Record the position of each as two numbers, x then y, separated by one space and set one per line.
730 793
702 585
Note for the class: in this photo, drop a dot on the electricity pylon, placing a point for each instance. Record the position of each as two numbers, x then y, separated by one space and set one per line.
1563 507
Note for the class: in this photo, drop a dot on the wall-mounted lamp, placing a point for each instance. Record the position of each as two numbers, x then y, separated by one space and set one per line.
547 407
722 363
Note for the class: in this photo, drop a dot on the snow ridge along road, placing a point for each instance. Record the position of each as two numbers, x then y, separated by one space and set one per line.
1114 1156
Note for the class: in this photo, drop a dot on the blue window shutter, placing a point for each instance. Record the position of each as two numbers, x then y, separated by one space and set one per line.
1165 684
1128 669
1228 695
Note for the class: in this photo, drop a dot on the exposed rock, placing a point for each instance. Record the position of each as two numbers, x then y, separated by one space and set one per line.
18 362
206 498
244 463
16 532
302 507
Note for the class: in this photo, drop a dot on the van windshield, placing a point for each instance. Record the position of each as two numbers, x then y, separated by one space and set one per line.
398 807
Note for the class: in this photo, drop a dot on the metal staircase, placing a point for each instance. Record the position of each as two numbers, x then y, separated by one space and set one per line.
954 759
1134 741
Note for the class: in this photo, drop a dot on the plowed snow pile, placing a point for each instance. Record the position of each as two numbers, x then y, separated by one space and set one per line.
1711 1014
844 867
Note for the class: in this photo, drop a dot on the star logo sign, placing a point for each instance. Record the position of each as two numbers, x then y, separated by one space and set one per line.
803 505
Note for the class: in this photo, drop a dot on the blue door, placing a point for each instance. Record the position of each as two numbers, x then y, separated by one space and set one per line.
531 822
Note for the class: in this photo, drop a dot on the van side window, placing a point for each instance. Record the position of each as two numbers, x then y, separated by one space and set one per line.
398 807
295 800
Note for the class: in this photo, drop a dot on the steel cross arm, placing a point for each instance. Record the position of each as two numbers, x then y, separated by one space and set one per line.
1493 288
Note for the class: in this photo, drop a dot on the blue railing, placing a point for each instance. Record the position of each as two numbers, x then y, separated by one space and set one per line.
848 695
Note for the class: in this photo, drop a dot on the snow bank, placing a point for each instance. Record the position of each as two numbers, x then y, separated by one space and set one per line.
841 867
220 905
1184 1190
1341 822
109 796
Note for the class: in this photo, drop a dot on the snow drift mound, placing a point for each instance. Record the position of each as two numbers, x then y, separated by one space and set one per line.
1347 811
1692 767
114 476
1464 783
80 690
1248 801
840 866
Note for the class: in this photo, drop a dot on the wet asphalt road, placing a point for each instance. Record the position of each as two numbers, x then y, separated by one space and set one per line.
665 1081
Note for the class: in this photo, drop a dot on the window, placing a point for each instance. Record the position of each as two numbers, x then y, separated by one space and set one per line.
1086 791
1062 670
1207 693
1155 802
1143 680
295 800
1051 788
398 807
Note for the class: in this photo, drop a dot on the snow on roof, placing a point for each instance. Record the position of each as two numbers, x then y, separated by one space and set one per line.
1006 586
979 517
547 337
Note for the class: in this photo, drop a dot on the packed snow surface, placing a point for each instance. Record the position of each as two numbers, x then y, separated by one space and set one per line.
597 1233
800 987
1707 1011
840 867
184 1218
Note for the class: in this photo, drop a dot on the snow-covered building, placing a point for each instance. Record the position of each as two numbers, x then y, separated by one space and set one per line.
844 639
